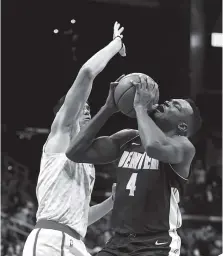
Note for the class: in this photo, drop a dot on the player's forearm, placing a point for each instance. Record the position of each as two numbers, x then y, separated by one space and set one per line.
81 88
100 210
99 61
88 133
149 132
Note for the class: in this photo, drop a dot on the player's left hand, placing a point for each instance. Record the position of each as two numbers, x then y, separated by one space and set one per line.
117 32
110 102
113 191
144 96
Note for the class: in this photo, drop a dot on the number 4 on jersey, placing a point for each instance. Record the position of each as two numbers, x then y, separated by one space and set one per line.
132 184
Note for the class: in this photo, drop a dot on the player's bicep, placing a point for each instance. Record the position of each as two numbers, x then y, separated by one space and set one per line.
76 98
103 150
74 101
168 153
173 151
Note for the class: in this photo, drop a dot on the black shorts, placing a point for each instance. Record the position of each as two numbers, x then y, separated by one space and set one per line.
142 245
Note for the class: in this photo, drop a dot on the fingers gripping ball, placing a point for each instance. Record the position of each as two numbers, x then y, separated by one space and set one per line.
125 93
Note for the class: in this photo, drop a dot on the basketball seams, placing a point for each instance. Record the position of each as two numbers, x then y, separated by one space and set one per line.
132 110
123 94
135 74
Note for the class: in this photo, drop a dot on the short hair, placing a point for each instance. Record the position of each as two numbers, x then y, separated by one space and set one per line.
196 118
59 105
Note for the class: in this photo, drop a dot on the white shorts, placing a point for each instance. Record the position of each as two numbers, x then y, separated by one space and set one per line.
43 242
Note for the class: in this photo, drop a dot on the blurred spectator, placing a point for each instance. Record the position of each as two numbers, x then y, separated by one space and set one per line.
199 172
202 241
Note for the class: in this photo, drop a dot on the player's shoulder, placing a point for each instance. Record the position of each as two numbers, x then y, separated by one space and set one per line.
184 143
187 145
57 142
61 125
122 137
124 133
189 151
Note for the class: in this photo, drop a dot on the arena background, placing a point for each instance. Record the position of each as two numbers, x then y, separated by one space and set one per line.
169 40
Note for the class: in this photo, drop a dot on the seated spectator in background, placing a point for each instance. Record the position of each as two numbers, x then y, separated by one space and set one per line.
199 172
195 196
203 241
214 175
214 190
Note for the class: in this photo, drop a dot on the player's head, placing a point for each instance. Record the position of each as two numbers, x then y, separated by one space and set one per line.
179 115
84 117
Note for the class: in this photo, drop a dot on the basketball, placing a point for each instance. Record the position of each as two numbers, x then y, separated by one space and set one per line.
125 92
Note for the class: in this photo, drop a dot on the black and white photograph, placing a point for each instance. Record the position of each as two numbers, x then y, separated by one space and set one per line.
111 128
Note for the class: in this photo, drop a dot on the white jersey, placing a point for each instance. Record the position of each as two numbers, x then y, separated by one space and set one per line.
64 191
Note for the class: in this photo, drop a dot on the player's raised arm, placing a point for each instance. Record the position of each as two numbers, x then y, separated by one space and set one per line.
170 149
69 113
81 88
85 147
102 150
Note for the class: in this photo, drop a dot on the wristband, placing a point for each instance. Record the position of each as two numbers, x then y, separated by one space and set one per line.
121 40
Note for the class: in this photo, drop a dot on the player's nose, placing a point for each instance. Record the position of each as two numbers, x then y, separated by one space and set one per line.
86 111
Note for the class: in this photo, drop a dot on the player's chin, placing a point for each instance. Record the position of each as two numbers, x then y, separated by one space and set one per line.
84 122
156 115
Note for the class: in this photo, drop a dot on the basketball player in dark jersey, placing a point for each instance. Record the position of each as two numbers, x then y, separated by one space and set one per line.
153 165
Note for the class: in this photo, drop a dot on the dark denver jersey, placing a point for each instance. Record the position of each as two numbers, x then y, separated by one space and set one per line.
147 193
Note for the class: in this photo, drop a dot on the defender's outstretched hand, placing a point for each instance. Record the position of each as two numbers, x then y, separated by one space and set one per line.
117 32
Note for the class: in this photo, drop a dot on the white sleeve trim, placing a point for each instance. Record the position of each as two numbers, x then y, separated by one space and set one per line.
186 179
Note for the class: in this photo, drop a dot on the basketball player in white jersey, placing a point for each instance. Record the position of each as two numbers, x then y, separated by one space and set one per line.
64 187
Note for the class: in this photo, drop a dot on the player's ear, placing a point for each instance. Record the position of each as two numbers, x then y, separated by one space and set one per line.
182 129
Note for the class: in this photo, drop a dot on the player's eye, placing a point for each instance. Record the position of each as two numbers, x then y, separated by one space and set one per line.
177 105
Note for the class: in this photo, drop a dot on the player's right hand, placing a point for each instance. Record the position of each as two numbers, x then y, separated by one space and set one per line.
117 32
145 96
